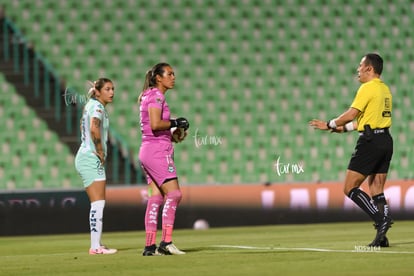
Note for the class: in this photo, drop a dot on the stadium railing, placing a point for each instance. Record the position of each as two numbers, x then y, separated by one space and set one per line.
48 87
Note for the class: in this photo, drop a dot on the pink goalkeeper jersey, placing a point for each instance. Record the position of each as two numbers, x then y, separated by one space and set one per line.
153 98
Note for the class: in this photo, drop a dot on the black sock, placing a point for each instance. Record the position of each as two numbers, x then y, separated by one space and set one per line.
364 202
381 202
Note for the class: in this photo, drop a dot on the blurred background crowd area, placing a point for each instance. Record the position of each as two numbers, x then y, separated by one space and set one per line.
250 75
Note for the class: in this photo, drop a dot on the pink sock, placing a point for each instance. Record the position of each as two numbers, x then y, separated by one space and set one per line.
150 238
168 214
151 219
167 230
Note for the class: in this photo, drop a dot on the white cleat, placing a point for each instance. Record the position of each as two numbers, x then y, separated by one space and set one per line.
102 250
169 249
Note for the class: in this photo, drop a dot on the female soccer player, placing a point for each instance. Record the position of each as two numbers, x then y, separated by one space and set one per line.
156 157
90 158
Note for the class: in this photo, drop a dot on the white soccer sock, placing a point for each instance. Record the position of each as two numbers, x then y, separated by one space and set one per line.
95 222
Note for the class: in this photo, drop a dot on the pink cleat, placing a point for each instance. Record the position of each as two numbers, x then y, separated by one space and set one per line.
102 250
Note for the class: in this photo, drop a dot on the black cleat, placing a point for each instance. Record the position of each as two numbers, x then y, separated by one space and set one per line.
384 242
380 238
150 251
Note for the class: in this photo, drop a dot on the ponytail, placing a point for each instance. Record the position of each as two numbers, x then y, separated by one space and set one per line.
150 77
92 90
96 86
149 82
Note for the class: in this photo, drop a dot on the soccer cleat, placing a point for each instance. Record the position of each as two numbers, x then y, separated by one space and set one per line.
384 242
380 243
150 250
382 229
168 248
102 250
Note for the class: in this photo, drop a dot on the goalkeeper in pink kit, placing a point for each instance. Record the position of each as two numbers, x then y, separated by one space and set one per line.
156 156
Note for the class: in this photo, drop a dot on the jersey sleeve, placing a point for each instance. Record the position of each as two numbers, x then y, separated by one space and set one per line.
361 99
156 100
97 111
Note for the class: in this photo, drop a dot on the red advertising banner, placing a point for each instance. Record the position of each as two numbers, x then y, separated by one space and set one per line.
321 196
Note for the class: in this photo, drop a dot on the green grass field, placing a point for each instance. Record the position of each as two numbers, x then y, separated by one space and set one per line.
311 249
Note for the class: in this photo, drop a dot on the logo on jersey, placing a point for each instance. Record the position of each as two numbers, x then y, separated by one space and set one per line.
387 106
386 114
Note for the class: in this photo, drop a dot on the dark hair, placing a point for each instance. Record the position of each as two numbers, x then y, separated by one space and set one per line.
150 76
375 61
97 86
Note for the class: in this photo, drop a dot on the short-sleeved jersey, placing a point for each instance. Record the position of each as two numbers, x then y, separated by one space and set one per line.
153 98
374 100
93 109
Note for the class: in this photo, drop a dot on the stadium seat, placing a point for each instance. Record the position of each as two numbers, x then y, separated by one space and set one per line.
28 142
253 74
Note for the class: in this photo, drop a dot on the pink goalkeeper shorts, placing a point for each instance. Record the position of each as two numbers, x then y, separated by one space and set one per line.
157 161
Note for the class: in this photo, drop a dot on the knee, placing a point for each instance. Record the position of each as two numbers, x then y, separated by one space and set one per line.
346 190
353 180
175 195
158 199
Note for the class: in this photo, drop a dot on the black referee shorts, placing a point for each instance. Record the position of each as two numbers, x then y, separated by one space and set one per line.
372 156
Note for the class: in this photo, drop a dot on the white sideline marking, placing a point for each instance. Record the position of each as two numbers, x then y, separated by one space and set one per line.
310 249
48 255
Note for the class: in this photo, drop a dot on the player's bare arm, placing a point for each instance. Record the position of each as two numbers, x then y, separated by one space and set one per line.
96 138
155 119
347 116
342 123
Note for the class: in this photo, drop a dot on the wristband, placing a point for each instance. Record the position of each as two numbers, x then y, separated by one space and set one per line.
331 124
173 123
349 127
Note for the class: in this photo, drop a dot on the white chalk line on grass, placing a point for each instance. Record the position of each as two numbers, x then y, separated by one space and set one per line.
46 255
367 250
304 249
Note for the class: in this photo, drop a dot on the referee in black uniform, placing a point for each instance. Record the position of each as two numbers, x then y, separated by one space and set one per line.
372 107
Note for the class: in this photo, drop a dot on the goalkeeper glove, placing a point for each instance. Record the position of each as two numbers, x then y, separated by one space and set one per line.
180 123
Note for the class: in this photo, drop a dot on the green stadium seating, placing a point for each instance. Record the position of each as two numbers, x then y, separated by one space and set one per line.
253 74
30 149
